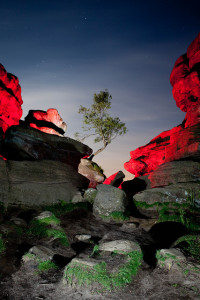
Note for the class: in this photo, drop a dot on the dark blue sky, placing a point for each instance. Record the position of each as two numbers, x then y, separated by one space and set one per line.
65 51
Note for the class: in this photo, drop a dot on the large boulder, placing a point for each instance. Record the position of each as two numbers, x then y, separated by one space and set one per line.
25 143
10 99
109 199
175 197
47 121
33 184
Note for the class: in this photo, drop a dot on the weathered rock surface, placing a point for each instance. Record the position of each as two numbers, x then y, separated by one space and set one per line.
109 199
10 99
181 142
174 172
172 195
38 183
23 143
174 262
91 171
47 121
121 246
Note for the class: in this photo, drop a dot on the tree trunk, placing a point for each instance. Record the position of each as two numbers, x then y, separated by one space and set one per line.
97 152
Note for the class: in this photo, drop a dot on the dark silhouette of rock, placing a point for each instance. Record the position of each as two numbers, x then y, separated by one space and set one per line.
47 121
115 180
25 143
134 186
10 99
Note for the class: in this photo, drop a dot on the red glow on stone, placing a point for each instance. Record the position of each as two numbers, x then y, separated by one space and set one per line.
3 157
110 180
10 99
51 115
182 141
45 129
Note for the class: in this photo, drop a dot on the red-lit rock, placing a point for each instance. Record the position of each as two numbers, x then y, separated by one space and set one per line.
47 121
185 77
10 99
186 91
194 47
180 70
183 141
115 179
177 143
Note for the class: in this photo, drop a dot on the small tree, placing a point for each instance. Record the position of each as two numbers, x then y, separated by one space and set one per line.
99 122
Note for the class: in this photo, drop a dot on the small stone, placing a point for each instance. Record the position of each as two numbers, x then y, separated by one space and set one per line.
18 221
42 252
83 237
90 195
44 215
121 246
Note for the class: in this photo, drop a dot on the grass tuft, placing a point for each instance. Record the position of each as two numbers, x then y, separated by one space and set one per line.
46 265
42 228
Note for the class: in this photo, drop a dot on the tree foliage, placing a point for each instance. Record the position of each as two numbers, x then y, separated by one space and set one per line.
99 123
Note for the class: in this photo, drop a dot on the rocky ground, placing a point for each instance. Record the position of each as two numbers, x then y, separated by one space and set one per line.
66 252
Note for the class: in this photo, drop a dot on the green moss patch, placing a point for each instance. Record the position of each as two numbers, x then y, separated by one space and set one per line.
184 213
99 274
2 245
117 216
46 265
62 207
43 228
190 244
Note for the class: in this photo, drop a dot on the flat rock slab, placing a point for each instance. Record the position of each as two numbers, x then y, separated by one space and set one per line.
179 193
121 246
175 172
32 184
25 143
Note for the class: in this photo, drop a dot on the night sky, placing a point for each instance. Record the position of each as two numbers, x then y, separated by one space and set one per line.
65 51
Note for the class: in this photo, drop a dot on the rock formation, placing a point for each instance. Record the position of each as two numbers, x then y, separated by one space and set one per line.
54 247
10 99
33 184
181 142
47 121
26 143
36 163
169 164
